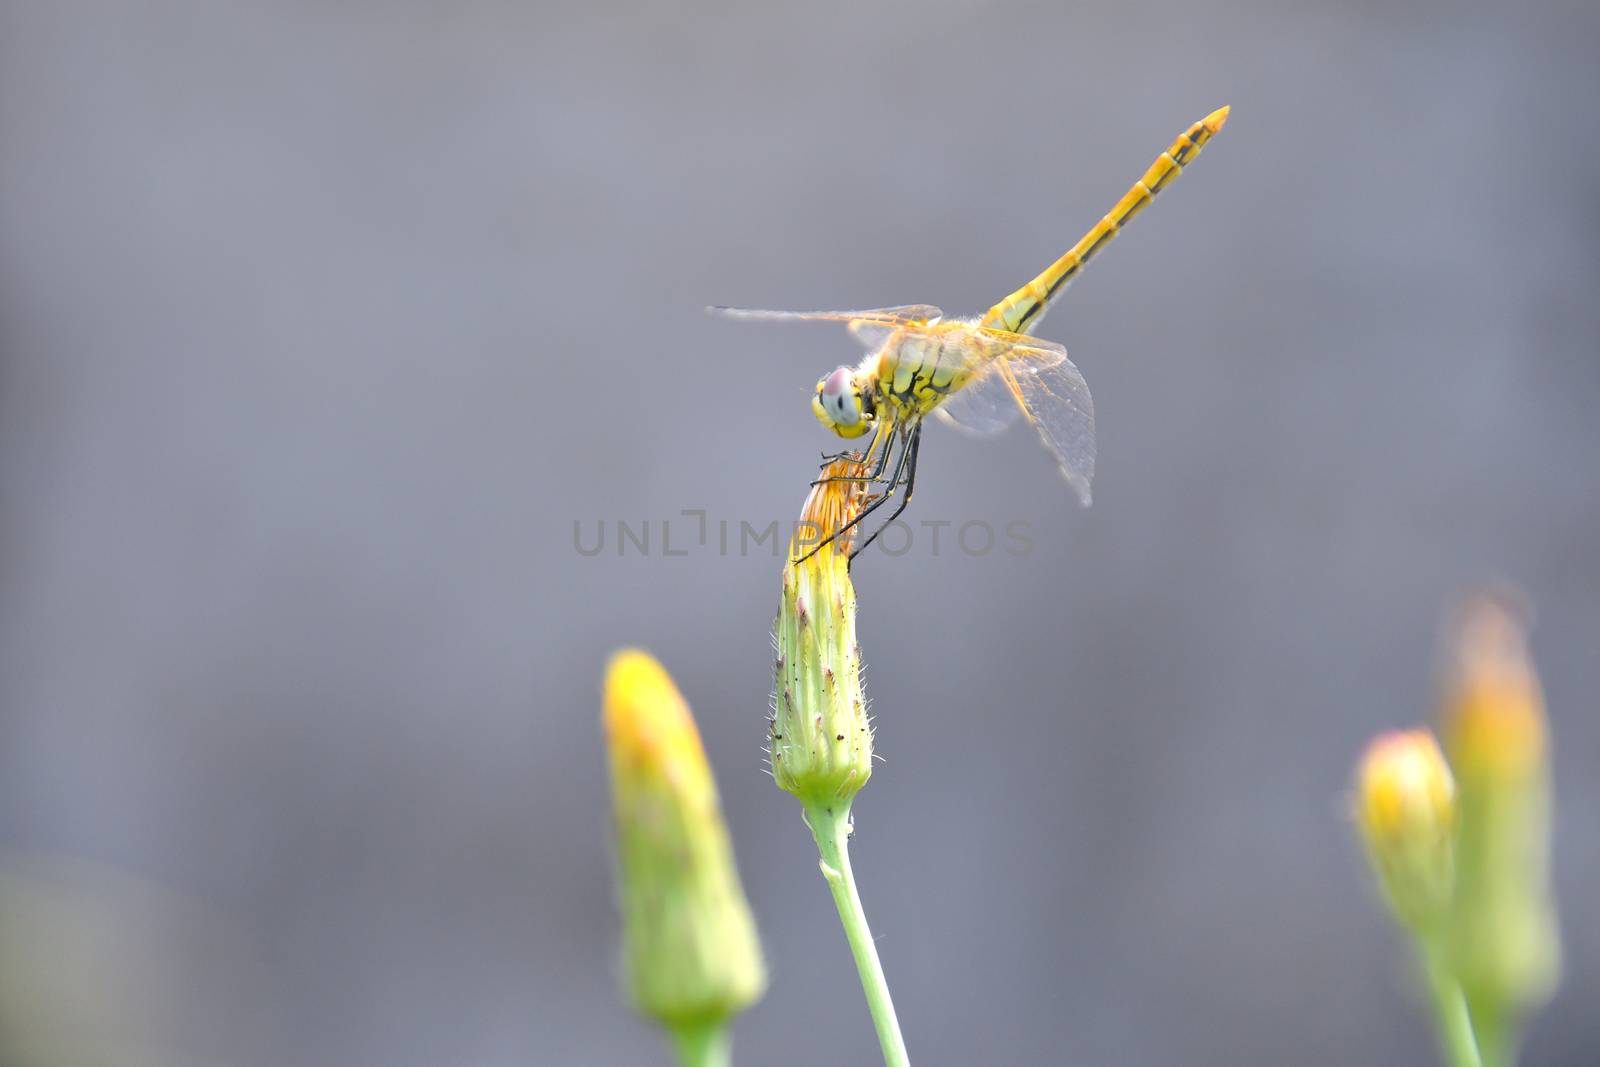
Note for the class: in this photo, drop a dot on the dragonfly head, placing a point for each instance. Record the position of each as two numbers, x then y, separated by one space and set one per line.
840 404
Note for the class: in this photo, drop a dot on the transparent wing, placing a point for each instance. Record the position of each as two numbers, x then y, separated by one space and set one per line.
981 408
987 405
1056 402
871 326
904 315
1037 381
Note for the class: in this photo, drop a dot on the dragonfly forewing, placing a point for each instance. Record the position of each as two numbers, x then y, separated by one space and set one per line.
902 315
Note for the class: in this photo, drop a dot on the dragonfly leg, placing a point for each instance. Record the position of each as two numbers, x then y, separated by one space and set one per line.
877 470
909 461
877 501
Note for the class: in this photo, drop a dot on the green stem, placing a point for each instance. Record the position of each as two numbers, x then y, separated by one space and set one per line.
703 1044
1497 1036
831 828
1450 1016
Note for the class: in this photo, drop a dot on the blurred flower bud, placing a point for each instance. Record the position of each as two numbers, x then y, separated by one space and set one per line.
820 741
1405 808
691 954
1502 941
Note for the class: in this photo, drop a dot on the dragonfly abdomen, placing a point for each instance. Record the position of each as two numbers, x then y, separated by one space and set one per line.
1021 311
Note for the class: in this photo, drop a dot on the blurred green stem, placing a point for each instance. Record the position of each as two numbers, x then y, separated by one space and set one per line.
703 1044
1496 1037
1450 1015
831 827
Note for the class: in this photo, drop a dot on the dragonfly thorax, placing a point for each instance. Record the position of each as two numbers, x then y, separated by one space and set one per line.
842 405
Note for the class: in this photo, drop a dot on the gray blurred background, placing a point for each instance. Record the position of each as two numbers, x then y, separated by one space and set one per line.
321 325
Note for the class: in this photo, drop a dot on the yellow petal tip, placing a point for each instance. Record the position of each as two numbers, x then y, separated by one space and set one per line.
1404 782
646 717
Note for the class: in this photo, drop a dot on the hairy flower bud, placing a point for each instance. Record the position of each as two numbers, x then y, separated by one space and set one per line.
819 740
690 951
1405 809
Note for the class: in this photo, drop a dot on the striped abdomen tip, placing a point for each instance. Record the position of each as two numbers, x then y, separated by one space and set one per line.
1217 119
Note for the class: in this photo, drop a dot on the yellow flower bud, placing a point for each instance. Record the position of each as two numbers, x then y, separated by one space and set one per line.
691 955
1493 711
1405 808
819 739
1502 941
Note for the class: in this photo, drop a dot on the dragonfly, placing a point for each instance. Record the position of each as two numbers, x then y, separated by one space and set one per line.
978 374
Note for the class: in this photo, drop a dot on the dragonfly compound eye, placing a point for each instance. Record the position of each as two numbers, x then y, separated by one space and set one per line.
837 404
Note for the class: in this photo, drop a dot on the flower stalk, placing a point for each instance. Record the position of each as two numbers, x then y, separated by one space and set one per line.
831 828
1451 1020
707 1045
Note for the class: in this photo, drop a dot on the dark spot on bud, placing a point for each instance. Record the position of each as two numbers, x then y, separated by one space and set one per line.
839 738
